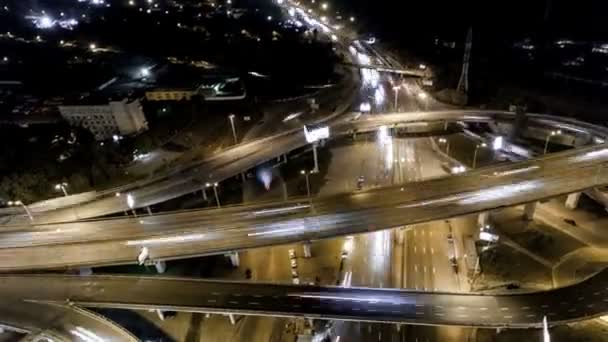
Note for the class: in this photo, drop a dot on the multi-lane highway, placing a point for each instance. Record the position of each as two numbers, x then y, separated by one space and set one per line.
202 232
585 300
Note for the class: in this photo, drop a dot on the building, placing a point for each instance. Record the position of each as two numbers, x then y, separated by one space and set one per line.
104 120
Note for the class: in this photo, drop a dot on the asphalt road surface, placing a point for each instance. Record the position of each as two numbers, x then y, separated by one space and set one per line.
585 300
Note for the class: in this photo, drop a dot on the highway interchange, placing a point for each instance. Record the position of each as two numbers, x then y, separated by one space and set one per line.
55 241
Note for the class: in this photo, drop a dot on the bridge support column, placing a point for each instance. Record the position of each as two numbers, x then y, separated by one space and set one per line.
143 255
314 153
161 266
234 259
149 210
306 249
398 326
204 194
400 235
85 271
231 318
160 314
207 315
572 200
529 209
483 219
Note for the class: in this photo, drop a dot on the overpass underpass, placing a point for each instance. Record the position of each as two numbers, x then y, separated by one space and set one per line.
581 301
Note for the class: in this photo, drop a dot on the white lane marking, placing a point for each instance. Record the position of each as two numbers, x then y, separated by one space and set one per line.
415 268
423 250
530 315
572 310
508 317
211 300
258 296
485 316
483 309
424 269
415 249
461 308
463 316
439 314
431 233
504 309
233 302
432 250
439 306
215 293
419 313
356 309
434 270
525 308
544 306
419 305
590 305
596 293
254 303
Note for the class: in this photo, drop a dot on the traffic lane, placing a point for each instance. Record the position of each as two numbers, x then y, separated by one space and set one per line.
581 301
60 322
501 174
287 229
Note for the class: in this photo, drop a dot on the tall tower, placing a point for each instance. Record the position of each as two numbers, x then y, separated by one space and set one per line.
463 83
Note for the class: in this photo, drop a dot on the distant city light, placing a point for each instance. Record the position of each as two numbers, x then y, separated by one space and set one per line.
5 59
131 3
365 107
269 18
352 19
324 6
498 143
144 72
422 96
92 47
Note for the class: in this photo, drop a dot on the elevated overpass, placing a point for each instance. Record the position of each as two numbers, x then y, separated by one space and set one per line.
585 300
240 158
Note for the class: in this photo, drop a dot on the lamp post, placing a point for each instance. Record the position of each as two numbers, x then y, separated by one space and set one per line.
447 145
303 172
20 203
217 198
131 204
549 137
396 89
231 117
62 187
475 153
424 97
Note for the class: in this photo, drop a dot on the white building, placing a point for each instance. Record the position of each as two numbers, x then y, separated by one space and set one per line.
105 120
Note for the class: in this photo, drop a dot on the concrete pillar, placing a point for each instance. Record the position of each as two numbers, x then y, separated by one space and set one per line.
234 259
143 255
205 194
306 249
572 200
161 315
149 210
85 271
161 266
207 315
483 219
529 209
400 235
398 326
314 152
284 187
231 318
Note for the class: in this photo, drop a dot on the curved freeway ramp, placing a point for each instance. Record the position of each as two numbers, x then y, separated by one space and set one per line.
215 231
58 322
585 300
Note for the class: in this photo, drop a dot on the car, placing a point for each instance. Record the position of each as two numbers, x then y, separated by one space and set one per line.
292 254
294 263
454 264
450 238
294 273
296 281
360 182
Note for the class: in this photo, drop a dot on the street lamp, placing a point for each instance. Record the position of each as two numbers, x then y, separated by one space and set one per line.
424 97
62 187
303 172
324 6
549 137
231 117
447 145
498 143
131 203
27 210
396 89
475 153
217 198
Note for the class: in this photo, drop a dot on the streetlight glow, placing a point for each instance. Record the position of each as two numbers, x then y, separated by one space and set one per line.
324 6
130 201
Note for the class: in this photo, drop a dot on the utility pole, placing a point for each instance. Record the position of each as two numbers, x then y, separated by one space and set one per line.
463 83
